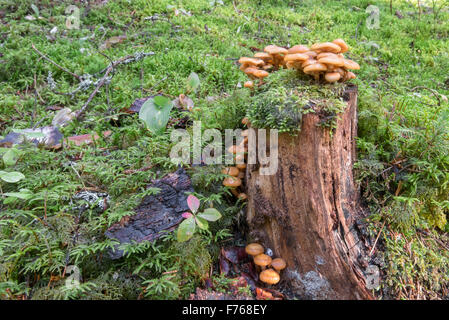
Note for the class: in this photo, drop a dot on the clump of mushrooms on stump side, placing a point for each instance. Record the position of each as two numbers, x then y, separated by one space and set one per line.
263 263
323 61
236 174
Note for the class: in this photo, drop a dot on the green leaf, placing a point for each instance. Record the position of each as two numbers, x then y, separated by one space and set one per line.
193 82
162 102
35 9
210 214
11 177
10 157
155 113
202 223
186 229
24 194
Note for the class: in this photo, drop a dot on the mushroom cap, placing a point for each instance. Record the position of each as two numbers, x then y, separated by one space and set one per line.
269 276
241 166
254 249
251 61
308 62
342 44
311 54
248 84
260 74
349 64
315 67
240 158
273 49
296 57
299 48
242 196
326 46
267 66
278 264
232 182
332 76
330 60
232 171
262 260
251 70
350 75
326 54
263 56
341 71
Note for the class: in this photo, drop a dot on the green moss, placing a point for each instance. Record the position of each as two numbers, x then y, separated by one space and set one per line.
287 95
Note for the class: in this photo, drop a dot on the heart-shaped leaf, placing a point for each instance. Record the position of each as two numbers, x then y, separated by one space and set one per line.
193 203
202 223
210 214
10 157
155 113
193 82
11 177
187 215
186 229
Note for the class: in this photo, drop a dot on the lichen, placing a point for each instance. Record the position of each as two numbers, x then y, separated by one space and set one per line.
287 95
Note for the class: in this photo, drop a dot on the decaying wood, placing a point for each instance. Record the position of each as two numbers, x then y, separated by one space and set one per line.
306 211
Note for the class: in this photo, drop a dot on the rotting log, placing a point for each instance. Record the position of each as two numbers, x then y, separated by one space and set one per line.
306 212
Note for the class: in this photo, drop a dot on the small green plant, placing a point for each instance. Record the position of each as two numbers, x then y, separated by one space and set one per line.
192 219
155 112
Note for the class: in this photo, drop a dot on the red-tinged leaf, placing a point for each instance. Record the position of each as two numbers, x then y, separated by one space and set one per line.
193 203
251 283
225 266
187 215
262 294
235 254
250 270
276 294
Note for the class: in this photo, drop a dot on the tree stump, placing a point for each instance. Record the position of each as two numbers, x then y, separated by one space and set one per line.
306 211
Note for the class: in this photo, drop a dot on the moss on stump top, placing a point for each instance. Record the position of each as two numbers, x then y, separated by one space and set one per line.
287 95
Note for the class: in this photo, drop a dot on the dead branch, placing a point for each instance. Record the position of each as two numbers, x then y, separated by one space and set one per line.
51 61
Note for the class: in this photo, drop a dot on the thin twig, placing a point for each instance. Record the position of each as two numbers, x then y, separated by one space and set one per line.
131 171
377 238
92 95
51 61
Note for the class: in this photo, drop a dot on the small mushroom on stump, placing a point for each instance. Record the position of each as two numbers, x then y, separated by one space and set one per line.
262 260
254 249
269 277
278 264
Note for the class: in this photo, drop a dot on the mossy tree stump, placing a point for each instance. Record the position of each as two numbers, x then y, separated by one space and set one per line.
306 211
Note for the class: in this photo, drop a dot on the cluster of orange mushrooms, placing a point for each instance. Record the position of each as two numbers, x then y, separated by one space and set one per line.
321 60
262 261
237 172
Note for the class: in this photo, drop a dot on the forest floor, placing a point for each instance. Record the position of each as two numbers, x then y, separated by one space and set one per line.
402 146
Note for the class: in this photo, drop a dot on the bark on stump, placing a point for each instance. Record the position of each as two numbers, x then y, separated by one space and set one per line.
306 211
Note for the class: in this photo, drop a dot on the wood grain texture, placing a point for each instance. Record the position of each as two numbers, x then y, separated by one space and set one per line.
306 212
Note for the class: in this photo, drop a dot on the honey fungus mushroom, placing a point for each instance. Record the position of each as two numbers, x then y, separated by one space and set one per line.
232 182
262 260
277 54
278 264
248 84
326 47
232 171
250 62
269 276
254 249
342 44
